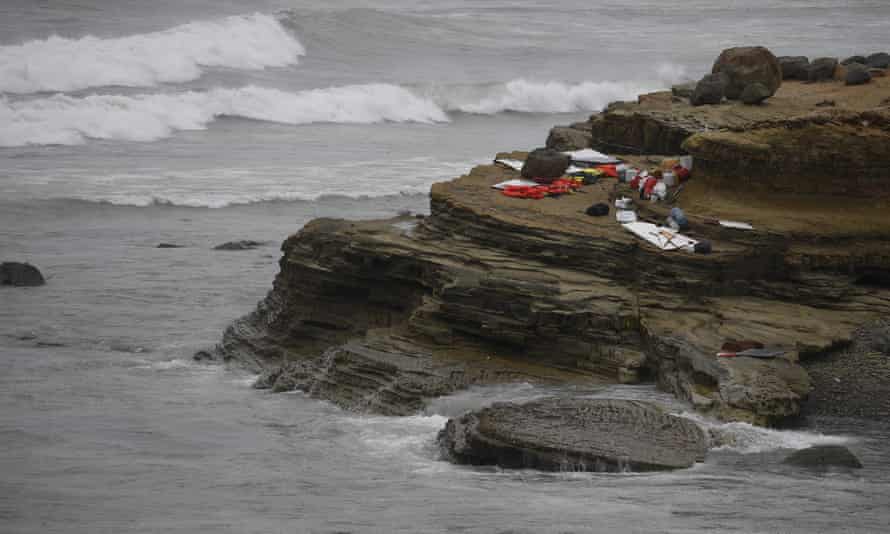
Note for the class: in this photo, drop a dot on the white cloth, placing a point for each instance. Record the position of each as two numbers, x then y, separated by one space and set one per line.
737 225
661 237
514 164
589 155
516 181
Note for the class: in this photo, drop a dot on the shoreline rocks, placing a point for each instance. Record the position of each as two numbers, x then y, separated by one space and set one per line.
574 435
824 457
20 275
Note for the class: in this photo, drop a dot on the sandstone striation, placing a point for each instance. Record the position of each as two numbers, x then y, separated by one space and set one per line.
574 435
380 316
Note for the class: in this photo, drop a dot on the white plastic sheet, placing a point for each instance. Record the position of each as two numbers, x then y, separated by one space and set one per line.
589 155
516 181
514 164
661 237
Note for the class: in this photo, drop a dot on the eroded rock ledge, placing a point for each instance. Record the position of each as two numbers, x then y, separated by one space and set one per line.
381 315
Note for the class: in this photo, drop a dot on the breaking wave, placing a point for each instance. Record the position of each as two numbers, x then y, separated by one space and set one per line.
66 120
174 55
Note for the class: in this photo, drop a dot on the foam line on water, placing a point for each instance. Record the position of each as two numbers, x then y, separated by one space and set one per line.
175 55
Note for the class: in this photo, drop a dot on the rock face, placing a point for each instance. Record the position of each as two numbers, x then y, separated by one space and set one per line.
574 435
854 59
822 69
20 274
709 90
857 74
746 65
574 137
823 457
683 90
545 164
755 93
794 67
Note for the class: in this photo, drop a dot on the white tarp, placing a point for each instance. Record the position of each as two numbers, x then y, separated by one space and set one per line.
661 237
737 225
516 181
514 164
589 155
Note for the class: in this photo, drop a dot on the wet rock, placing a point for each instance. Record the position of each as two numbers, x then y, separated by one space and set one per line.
854 59
857 74
683 90
746 65
244 244
203 356
822 69
709 90
564 138
574 435
881 60
20 274
168 245
755 93
794 67
823 457
545 164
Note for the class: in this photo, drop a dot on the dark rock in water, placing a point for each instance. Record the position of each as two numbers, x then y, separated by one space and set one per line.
854 59
824 456
568 138
822 69
545 163
574 435
794 67
709 90
244 244
683 90
755 93
20 274
746 65
857 74
203 356
881 60
168 245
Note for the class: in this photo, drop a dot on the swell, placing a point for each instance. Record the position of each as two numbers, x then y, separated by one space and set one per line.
175 55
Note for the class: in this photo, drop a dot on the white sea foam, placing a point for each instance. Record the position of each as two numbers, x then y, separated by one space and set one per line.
66 120
174 55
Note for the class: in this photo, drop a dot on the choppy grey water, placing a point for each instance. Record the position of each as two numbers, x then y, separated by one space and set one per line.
201 122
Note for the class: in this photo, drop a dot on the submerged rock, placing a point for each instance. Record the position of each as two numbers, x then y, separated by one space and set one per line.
574 435
20 274
168 245
824 456
746 65
244 244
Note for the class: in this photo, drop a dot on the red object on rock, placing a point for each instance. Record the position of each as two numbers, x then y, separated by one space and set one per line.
609 170
649 185
682 173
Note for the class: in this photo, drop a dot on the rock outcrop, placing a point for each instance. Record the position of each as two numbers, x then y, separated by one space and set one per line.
709 90
824 457
794 67
574 435
822 69
379 316
755 93
573 137
244 244
20 274
746 65
545 164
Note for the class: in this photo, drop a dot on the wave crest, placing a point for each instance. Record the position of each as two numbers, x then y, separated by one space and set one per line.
174 55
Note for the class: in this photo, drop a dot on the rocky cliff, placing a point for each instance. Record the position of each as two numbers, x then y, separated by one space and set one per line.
382 315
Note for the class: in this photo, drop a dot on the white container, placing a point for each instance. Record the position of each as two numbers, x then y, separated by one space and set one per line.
626 216
669 178
623 203
659 192
629 174
686 162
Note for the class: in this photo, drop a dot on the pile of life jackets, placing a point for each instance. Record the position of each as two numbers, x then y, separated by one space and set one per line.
555 188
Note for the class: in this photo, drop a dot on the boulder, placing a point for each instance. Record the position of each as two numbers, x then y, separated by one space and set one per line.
877 73
244 244
568 138
709 90
545 164
746 65
20 274
881 60
755 93
683 90
822 69
824 456
854 59
794 67
857 74
574 435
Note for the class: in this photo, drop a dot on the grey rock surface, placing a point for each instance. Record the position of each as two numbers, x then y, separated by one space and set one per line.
823 457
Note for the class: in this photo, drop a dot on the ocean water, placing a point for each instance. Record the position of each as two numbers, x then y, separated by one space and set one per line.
124 124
